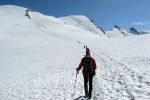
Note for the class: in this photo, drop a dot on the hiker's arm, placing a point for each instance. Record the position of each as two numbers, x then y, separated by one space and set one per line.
80 65
94 64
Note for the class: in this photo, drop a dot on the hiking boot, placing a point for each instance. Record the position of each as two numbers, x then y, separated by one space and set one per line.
86 95
89 97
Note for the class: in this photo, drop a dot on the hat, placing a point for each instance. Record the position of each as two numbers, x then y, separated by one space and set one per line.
87 51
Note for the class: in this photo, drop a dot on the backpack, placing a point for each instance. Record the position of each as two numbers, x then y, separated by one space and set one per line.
87 65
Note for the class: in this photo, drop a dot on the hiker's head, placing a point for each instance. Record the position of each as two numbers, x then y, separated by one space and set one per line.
87 52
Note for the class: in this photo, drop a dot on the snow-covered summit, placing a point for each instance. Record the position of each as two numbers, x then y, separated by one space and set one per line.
82 22
117 31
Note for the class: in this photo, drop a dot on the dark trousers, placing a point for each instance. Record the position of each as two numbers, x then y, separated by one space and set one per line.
88 78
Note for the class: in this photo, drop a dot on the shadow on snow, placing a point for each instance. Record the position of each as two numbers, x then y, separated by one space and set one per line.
80 98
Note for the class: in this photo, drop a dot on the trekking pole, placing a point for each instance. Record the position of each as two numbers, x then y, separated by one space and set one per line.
75 84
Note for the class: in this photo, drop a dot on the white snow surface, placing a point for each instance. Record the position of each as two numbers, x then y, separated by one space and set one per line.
38 57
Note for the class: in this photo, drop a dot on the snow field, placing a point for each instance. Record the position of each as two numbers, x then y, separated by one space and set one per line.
38 57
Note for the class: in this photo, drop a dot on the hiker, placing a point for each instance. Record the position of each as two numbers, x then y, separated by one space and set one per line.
89 66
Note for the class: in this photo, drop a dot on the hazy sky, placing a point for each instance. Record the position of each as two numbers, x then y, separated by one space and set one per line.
106 13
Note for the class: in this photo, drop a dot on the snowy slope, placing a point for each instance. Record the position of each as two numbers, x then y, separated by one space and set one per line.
49 25
38 57
82 22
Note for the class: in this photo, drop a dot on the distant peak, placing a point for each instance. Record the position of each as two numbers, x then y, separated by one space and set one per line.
118 27
134 31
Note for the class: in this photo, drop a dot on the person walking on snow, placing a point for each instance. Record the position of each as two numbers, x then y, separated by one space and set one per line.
89 66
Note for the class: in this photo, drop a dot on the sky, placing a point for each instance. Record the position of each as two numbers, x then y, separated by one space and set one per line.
105 13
